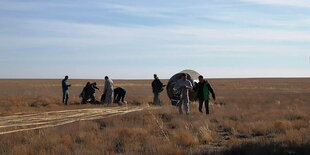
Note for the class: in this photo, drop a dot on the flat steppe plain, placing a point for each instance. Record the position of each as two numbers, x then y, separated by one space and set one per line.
250 116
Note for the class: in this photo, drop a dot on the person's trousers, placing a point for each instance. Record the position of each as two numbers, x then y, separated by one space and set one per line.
65 97
206 102
185 104
92 98
156 100
108 97
119 97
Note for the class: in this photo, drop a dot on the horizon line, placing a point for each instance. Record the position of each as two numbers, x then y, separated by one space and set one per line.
289 77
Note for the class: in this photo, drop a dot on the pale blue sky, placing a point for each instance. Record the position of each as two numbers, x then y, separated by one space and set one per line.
136 38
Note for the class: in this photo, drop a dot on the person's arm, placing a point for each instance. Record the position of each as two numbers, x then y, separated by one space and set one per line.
195 87
68 85
161 84
115 93
189 85
153 84
211 91
105 86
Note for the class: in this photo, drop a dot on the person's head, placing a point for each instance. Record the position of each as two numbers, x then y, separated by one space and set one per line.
66 77
184 76
155 76
200 78
88 83
106 78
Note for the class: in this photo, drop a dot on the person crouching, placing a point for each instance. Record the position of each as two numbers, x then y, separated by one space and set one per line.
119 95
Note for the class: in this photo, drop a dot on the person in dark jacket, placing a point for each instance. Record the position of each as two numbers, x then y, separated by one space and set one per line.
89 93
65 90
119 94
85 94
157 87
203 91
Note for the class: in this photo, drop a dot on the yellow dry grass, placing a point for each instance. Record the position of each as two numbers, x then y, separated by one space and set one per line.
257 116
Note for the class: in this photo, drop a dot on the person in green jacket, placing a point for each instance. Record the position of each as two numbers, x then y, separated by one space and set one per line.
203 91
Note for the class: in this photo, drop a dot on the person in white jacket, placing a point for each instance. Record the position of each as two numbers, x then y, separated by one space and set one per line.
108 90
183 85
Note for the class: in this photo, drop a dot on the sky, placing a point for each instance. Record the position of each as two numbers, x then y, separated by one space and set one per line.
133 39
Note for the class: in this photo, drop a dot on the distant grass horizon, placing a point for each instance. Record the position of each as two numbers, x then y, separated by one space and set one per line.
297 77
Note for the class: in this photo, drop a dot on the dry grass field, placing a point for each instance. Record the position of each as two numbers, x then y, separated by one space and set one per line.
256 116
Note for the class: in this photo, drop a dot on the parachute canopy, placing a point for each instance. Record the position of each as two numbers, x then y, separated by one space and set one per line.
174 97
193 74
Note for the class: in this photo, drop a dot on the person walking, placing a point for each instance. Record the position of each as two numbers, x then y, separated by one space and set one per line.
108 90
65 90
203 93
183 85
157 87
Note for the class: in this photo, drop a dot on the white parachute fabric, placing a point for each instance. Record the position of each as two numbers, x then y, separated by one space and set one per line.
193 74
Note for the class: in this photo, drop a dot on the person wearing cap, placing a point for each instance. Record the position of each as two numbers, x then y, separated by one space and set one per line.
157 87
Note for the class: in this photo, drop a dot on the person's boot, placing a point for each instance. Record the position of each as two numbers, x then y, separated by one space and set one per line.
180 111
200 110
207 112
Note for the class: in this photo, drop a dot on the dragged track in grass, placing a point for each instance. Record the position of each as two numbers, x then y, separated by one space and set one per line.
25 122
259 116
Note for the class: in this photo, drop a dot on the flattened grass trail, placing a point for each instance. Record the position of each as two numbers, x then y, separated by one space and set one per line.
25 122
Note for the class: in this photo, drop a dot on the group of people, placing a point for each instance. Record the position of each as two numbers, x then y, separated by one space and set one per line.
202 91
89 90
